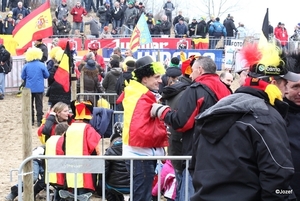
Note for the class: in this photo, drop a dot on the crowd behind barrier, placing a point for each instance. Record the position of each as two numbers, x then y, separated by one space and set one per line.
167 46
91 164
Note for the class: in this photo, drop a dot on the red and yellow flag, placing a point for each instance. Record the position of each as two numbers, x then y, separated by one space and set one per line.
37 25
62 74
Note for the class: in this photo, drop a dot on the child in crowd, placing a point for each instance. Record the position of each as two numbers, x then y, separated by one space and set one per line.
167 183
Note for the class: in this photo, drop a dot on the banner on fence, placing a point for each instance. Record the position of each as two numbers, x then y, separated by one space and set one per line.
167 54
157 43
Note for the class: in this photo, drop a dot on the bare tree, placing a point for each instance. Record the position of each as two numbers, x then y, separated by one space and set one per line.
218 7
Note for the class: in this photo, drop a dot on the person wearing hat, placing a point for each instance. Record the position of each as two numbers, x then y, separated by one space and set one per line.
192 27
94 46
105 33
180 29
81 139
247 130
172 73
9 24
124 79
130 15
142 134
206 90
110 79
64 27
34 72
62 10
90 80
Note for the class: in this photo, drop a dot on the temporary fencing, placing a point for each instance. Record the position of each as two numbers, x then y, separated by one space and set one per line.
92 164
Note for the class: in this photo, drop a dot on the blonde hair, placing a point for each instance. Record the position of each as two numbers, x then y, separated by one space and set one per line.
59 106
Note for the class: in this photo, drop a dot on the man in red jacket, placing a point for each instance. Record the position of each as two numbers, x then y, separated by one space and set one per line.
78 12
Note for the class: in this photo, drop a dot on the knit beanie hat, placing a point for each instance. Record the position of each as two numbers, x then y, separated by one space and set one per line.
174 62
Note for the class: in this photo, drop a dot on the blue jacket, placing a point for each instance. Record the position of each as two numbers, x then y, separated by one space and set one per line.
217 29
180 29
34 73
102 121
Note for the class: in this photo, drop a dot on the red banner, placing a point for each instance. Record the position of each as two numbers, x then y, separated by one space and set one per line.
158 43
77 41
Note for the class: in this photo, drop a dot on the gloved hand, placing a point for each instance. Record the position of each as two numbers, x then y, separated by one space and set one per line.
157 110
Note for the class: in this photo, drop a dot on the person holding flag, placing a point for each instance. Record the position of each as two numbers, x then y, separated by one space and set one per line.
140 35
59 80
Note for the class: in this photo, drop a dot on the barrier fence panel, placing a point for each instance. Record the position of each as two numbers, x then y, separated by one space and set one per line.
92 164
13 79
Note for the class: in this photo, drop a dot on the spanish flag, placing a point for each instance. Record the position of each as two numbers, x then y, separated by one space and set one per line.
62 74
37 25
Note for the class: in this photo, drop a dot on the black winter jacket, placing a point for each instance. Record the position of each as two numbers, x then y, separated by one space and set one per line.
171 94
4 57
116 172
293 128
229 25
241 150
55 90
202 94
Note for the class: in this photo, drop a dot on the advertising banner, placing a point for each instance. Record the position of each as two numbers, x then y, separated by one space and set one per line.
158 43
166 54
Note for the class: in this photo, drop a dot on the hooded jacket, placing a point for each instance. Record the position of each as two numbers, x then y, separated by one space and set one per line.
293 127
241 150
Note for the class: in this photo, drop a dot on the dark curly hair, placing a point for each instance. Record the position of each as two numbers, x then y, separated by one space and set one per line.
145 71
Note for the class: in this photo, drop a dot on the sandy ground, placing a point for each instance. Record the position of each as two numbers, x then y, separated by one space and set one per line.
11 140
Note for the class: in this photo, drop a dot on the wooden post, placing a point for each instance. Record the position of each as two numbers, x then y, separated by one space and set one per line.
81 85
27 144
73 86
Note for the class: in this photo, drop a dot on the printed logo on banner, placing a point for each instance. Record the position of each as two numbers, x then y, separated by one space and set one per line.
123 43
165 54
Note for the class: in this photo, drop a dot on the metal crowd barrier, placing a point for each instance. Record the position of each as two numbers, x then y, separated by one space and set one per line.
92 164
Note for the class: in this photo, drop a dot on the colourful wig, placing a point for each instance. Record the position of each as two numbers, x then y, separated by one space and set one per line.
53 51
33 53
59 55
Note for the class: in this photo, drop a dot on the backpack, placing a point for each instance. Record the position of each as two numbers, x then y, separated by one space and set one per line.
8 65
121 83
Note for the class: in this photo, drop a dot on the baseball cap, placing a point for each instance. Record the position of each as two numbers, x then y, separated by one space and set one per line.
261 70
